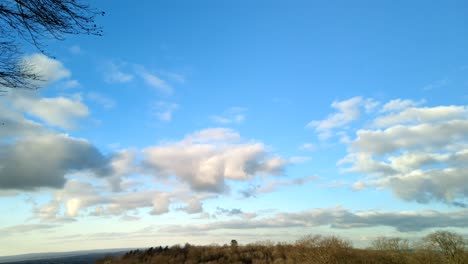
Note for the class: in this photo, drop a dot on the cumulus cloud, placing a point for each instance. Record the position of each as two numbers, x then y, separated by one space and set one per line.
79 197
23 164
161 204
419 152
206 159
56 111
32 155
49 70
422 115
193 206
15 125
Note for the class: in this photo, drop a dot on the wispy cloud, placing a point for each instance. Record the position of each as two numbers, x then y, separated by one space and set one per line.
25 228
308 147
436 85
101 100
174 77
271 186
154 81
230 115
337 218
75 49
114 73
71 84
164 110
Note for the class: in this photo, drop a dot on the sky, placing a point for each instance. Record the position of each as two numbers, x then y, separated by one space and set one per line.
207 121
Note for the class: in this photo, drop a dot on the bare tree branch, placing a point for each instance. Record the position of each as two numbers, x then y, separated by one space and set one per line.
34 21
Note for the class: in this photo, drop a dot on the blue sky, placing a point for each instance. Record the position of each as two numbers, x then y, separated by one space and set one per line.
249 120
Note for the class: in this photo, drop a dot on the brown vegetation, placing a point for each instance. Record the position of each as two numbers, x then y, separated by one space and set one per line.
437 248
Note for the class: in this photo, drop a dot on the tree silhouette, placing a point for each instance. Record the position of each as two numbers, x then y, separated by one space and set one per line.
450 244
234 243
31 22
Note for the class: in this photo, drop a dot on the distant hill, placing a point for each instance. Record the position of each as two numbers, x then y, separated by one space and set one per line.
73 257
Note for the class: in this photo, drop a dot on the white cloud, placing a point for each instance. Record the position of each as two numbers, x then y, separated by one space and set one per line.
399 105
15 125
122 163
422 115
78 198
347 112
33 156
420 137
207 158
115 74
73 205
49 70
55 111
193 206
161 204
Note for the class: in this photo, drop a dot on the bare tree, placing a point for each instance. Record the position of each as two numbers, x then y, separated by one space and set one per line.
394 250
31 22
390 244
451 245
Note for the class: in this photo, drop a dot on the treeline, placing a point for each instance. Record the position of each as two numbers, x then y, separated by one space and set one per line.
441 247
